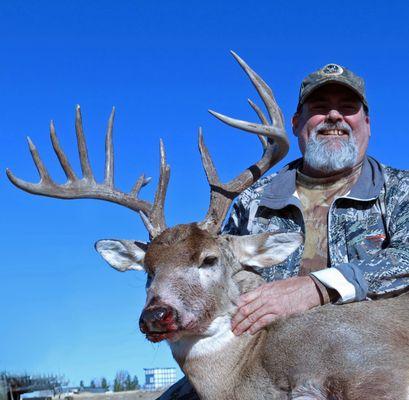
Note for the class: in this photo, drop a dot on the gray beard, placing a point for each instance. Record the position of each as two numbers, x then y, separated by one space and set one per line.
321 155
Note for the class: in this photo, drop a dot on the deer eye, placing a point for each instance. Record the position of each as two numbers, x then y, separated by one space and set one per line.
149 279
209 261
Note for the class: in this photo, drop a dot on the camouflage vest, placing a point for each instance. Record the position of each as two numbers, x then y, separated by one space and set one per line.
368 229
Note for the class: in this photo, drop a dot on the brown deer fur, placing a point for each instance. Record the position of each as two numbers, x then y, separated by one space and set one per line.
354 351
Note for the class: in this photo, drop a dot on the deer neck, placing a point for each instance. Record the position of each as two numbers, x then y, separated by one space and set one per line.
213 361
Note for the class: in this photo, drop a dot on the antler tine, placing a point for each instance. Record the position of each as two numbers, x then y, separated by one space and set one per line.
157 215
258 129
61 155
140 183
275 129
223 194
263 119
82 146
219 203
274 149
109 152
45 179
264 91
42 170
208 165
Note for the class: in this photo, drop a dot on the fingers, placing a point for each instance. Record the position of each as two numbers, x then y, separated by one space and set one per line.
250 296
255 321
265 320
253 306
261 306
246 310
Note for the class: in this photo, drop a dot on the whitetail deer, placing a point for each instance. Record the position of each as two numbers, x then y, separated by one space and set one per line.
195 276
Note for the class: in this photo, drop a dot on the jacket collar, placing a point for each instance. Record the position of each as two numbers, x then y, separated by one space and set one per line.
279 192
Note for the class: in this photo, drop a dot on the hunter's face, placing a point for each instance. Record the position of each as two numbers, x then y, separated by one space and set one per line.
333 130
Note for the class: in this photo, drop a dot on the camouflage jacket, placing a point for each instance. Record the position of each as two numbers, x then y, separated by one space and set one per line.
368 229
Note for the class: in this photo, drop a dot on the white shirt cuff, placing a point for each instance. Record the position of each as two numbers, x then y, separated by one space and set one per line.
333 279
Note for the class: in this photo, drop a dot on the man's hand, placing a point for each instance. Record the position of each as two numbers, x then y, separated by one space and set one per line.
261 306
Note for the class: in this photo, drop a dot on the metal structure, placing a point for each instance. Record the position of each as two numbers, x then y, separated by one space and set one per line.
159 378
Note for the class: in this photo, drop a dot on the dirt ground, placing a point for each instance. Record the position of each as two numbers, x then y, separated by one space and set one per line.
131 395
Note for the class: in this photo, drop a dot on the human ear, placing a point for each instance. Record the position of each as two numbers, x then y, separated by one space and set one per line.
368 122
294 123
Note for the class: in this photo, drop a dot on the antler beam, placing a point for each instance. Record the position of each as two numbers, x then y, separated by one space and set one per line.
274 140
87 187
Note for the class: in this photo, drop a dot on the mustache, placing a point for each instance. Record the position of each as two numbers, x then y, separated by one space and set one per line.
327 126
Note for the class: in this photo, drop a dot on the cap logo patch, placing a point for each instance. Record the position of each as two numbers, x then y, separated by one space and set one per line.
332 69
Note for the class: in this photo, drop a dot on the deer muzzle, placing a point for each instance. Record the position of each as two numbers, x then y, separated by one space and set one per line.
158 322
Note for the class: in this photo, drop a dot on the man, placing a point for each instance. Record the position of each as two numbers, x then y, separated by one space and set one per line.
353 211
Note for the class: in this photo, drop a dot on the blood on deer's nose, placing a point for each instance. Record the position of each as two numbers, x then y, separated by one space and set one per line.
157 319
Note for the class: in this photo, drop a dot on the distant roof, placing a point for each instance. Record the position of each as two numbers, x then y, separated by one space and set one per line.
38 393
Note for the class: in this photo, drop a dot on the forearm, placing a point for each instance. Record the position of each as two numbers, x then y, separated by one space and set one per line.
386 273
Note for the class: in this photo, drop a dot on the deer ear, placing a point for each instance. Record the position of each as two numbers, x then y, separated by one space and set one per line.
265 249
123 255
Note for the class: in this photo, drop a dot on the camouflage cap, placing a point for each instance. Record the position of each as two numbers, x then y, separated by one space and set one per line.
332 73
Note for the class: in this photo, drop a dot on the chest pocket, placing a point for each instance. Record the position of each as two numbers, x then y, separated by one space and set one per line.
286 219
365 236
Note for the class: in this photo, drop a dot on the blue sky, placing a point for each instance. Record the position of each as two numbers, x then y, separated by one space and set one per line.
162 64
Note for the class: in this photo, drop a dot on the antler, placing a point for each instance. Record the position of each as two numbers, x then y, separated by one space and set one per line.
275 145
75 188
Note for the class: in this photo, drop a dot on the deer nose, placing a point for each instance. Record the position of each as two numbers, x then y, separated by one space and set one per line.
157 319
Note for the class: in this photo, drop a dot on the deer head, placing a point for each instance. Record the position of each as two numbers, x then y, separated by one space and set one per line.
195 276
194 273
